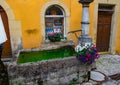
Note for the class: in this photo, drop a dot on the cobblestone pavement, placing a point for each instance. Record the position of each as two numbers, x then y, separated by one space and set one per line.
109 65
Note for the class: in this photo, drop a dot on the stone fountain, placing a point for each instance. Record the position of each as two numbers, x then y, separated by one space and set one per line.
84 39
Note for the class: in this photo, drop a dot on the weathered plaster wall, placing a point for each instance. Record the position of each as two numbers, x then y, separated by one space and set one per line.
25 21
28 12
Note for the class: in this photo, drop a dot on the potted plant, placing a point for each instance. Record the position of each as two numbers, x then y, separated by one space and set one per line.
53 37
88 54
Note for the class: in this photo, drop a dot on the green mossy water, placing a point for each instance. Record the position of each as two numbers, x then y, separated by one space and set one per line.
34 56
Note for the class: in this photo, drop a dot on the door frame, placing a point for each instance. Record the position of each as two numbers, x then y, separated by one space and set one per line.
7 51
14 28
104 13
114 24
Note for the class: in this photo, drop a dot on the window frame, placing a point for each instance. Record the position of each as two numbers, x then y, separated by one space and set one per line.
58 16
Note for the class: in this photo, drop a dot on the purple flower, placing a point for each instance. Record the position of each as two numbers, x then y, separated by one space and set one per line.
88 55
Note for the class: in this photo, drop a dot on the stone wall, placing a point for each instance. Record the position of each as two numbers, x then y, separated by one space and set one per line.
50 72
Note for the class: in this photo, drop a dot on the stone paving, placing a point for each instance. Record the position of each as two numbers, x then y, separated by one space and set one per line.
109 65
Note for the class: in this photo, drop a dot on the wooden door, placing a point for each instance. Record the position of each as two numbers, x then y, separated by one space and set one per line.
7 52
103 31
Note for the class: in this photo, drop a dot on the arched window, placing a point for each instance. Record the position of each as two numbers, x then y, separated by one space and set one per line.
54 22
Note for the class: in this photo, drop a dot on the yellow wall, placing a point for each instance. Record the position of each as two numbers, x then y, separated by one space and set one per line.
118 37
28 12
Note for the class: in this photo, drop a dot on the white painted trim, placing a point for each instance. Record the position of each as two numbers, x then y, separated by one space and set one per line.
54 16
